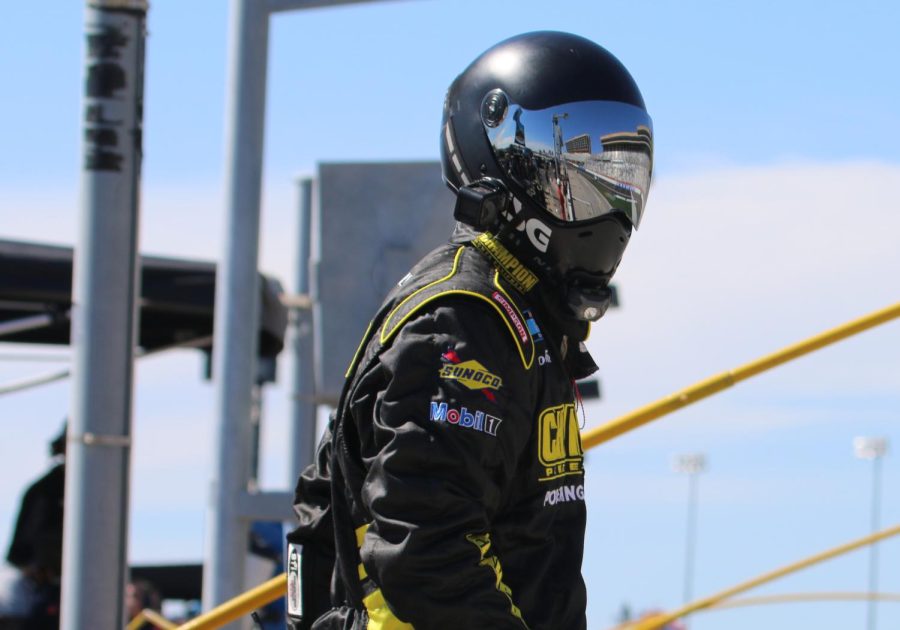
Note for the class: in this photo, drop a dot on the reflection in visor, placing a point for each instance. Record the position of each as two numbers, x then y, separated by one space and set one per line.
578 160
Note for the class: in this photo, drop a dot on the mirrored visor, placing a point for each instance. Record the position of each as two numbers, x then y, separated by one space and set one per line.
578 161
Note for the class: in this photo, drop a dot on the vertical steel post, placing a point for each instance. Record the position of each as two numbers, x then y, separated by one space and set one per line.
303 405
104 320
692 464
872 448
235 337
872 606
690 538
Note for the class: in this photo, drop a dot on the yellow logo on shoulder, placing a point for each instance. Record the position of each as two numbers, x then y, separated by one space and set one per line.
471 374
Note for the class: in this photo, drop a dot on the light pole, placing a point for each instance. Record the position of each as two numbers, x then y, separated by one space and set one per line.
874 449
691 464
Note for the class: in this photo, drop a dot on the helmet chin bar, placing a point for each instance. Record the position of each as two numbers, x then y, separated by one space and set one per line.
593 260
588 303
488 206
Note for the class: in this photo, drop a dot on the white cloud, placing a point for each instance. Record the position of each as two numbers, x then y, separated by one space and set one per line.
738 263
727 267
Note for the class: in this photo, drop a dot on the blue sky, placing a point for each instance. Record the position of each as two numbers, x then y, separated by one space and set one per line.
774 215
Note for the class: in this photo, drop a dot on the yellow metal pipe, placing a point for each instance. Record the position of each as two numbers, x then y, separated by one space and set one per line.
717 383
243 604
661 620
789 598
152 617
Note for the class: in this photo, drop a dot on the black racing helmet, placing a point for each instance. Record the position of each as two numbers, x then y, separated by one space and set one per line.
548 145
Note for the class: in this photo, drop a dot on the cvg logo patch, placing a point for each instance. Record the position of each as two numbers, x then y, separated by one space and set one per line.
471 374
559 442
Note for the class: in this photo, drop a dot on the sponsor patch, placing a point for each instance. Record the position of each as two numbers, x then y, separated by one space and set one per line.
294 584
532 325
513 316
474 420
564 494
513 271
472 381
559 442
471 374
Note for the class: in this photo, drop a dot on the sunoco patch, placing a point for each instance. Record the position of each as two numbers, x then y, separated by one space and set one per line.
471 374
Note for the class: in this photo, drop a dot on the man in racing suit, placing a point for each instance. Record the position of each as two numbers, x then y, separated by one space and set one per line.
448 490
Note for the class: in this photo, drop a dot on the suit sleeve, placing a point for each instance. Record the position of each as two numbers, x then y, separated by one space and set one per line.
309 595
443 417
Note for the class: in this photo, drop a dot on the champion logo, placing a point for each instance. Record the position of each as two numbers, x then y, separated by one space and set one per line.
513 271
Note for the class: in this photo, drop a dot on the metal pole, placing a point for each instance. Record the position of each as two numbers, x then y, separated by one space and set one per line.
104 322
872 612
690 543
296 5
691 464
23 324
237 302
872 448
256 398
303 406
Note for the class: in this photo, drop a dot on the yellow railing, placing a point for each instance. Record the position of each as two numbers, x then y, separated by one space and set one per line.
153 618
659 621
243 604
276 587
717 383
790 598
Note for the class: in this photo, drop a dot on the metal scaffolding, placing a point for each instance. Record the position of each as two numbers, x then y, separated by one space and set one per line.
234 354
104 320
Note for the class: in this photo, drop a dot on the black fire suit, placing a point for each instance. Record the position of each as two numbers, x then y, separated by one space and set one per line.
450 482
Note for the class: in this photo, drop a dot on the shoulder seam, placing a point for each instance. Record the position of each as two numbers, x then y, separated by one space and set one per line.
500 301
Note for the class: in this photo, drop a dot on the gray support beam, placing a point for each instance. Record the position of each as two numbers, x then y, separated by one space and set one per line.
26 323
295 5
266 506
237 301
104 322
303 405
